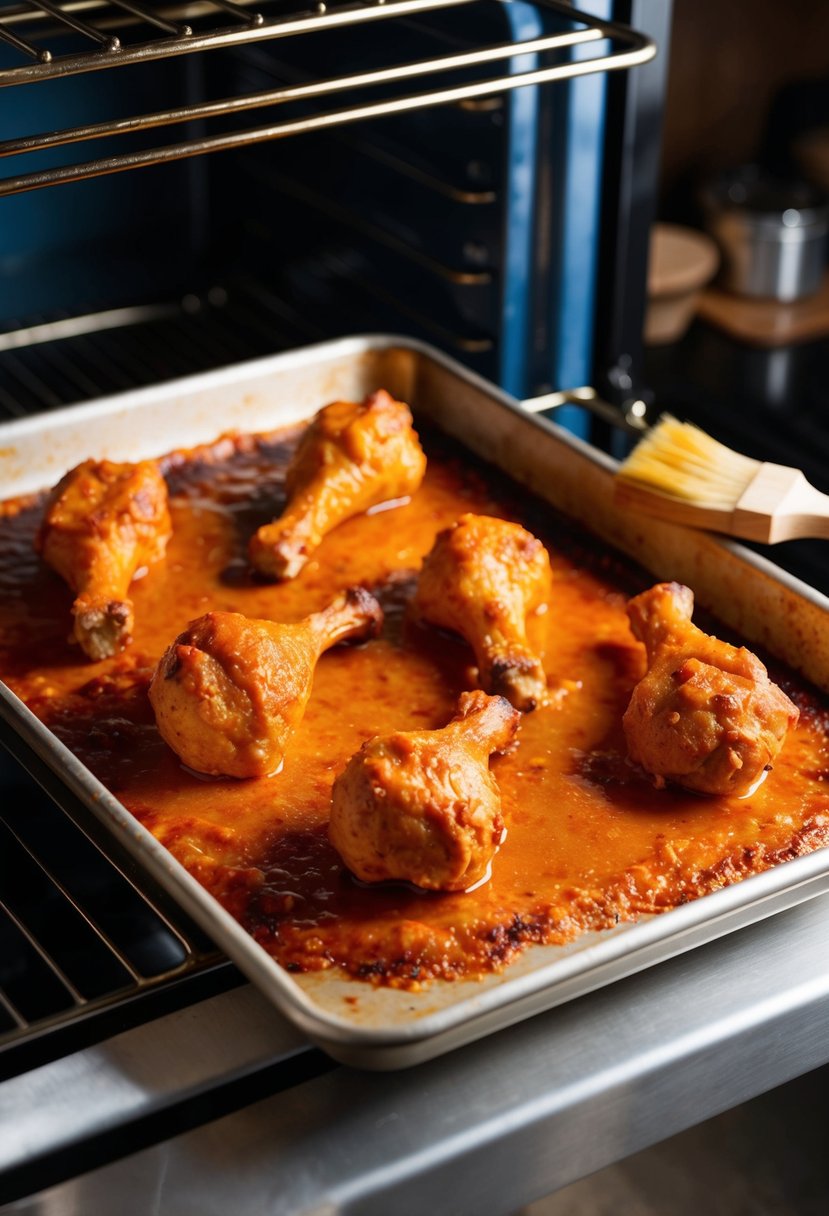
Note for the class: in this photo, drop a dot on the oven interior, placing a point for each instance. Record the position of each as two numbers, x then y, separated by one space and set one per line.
472 223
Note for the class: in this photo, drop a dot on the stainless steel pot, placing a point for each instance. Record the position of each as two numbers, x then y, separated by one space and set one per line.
772 234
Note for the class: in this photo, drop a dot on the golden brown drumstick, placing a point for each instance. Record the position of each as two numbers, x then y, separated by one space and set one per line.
481 579
230 691
103 522
354 455
422 806
706 715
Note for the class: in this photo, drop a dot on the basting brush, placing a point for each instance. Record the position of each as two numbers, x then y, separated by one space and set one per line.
681 474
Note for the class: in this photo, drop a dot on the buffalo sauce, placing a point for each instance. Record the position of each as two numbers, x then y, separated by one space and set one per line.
589 840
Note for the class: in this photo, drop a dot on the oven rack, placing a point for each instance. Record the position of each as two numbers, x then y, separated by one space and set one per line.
87 947
461 75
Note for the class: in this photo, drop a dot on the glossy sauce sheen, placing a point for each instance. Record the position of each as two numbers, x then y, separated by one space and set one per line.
589 840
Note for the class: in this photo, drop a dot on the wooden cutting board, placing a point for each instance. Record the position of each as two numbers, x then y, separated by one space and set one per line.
767 322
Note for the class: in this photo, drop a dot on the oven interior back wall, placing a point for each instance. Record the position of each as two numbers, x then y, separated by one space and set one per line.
473 225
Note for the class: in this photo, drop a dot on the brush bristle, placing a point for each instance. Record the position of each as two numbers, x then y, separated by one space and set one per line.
679 460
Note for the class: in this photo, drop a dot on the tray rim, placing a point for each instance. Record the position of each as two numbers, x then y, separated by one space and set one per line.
702 919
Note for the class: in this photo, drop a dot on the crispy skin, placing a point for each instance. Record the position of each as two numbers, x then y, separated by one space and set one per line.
103 522
422 805
706 716
481 580
230 691
354 455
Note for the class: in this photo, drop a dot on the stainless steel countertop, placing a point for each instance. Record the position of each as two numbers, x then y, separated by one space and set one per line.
483 1130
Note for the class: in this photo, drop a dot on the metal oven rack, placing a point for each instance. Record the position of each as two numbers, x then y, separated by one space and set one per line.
47 41
86 948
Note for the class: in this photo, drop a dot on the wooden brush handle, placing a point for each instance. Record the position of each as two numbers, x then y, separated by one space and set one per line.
780 504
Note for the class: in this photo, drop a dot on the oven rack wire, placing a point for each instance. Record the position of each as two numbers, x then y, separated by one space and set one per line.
88 947
474 72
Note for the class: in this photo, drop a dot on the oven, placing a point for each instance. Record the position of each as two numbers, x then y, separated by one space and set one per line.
189 186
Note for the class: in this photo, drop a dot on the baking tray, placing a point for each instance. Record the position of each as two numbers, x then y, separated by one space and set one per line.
389 1028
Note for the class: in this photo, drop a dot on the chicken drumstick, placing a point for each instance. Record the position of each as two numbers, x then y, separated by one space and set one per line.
354 455
422 806
230 691
706 715
481 579
103 522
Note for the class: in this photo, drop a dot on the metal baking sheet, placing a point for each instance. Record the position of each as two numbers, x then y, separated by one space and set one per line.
388 1028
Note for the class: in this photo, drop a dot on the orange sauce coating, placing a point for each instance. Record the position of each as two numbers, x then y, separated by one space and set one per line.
589 842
